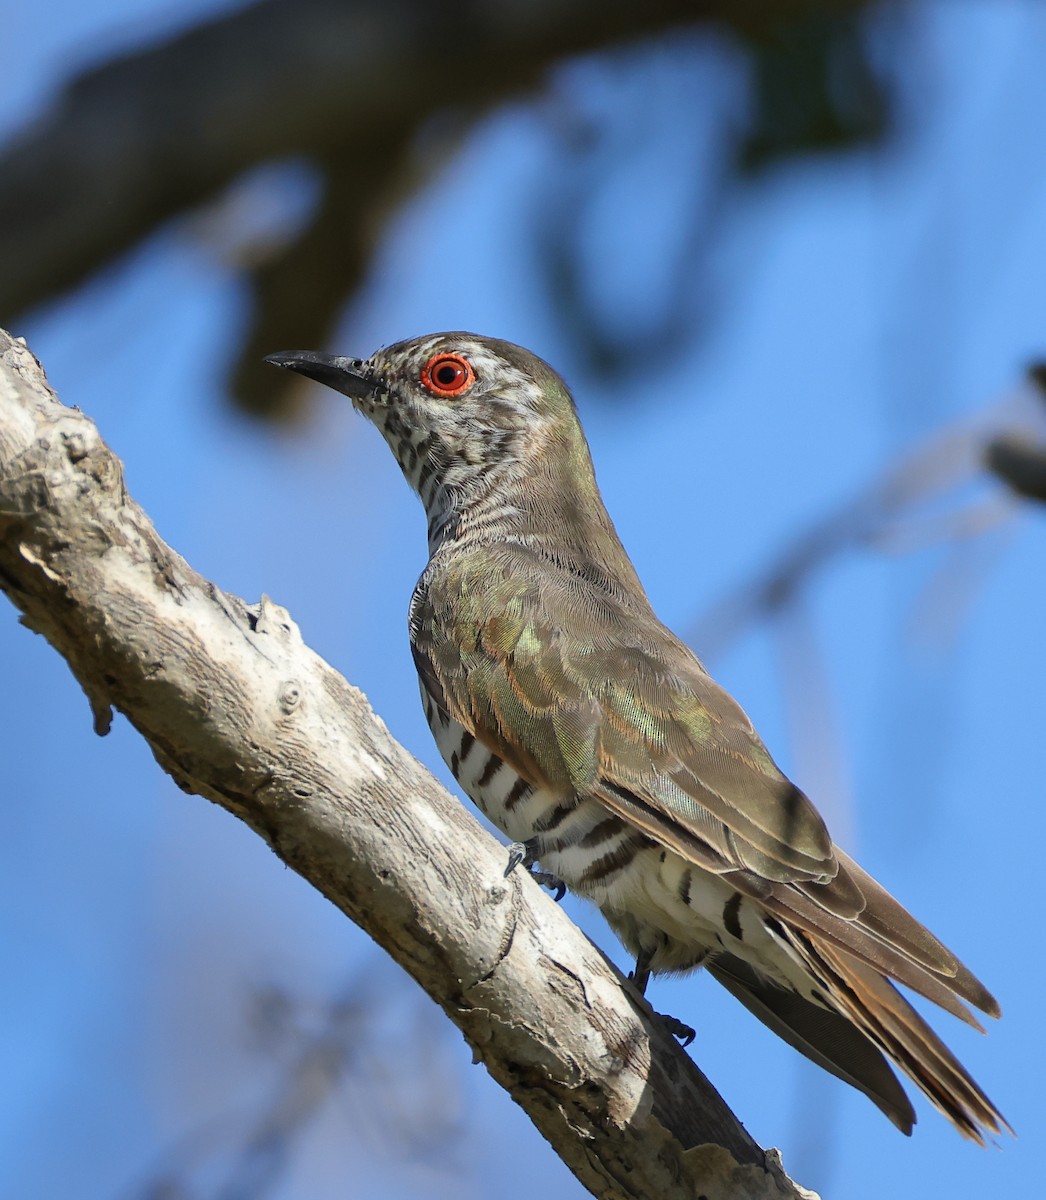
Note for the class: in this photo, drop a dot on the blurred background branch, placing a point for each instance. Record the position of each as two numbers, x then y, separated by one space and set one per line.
337 1060
938 494
1018 457
373 97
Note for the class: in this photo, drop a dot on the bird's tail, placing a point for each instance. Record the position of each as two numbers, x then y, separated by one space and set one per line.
871 1020
878 1008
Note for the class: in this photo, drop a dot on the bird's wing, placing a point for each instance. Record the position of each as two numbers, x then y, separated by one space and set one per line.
623 711
648 731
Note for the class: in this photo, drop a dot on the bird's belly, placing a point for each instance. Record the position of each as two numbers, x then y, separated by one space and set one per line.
653 899
679 914
570 835
489 782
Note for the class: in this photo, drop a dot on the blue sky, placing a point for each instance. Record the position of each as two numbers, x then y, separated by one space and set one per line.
847 309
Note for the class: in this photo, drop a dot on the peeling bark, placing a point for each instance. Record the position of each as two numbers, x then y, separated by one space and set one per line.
237 708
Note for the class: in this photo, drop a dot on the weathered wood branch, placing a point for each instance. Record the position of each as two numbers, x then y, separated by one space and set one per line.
237 708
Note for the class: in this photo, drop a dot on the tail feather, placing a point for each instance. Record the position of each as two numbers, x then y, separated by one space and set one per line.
860 940
825 1037
887 919
875 1006
868 1022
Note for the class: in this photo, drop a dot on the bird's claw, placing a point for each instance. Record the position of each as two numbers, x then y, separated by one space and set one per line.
552 882
677 1029
639 977
520 854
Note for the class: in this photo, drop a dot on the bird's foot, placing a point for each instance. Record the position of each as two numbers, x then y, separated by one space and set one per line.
677 1029
640 977
522 854
518 855
552 882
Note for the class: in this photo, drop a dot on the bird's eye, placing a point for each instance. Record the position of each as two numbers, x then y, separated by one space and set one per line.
448 375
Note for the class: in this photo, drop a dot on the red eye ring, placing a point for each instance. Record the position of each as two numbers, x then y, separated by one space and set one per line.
448 375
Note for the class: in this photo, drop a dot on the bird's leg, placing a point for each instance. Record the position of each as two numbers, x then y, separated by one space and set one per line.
640 977
522 854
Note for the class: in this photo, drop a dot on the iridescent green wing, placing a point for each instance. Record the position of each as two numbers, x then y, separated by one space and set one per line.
602 700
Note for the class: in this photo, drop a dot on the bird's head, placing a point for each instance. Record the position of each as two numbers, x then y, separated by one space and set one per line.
459 411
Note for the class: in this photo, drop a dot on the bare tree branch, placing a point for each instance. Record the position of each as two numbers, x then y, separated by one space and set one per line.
236 708
346 85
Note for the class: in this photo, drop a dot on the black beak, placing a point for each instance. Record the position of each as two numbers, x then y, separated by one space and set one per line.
345 375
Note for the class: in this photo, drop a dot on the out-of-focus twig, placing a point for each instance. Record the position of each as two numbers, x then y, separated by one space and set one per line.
927 498
322 1052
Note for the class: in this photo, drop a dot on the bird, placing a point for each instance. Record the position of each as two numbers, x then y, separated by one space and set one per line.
596 740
